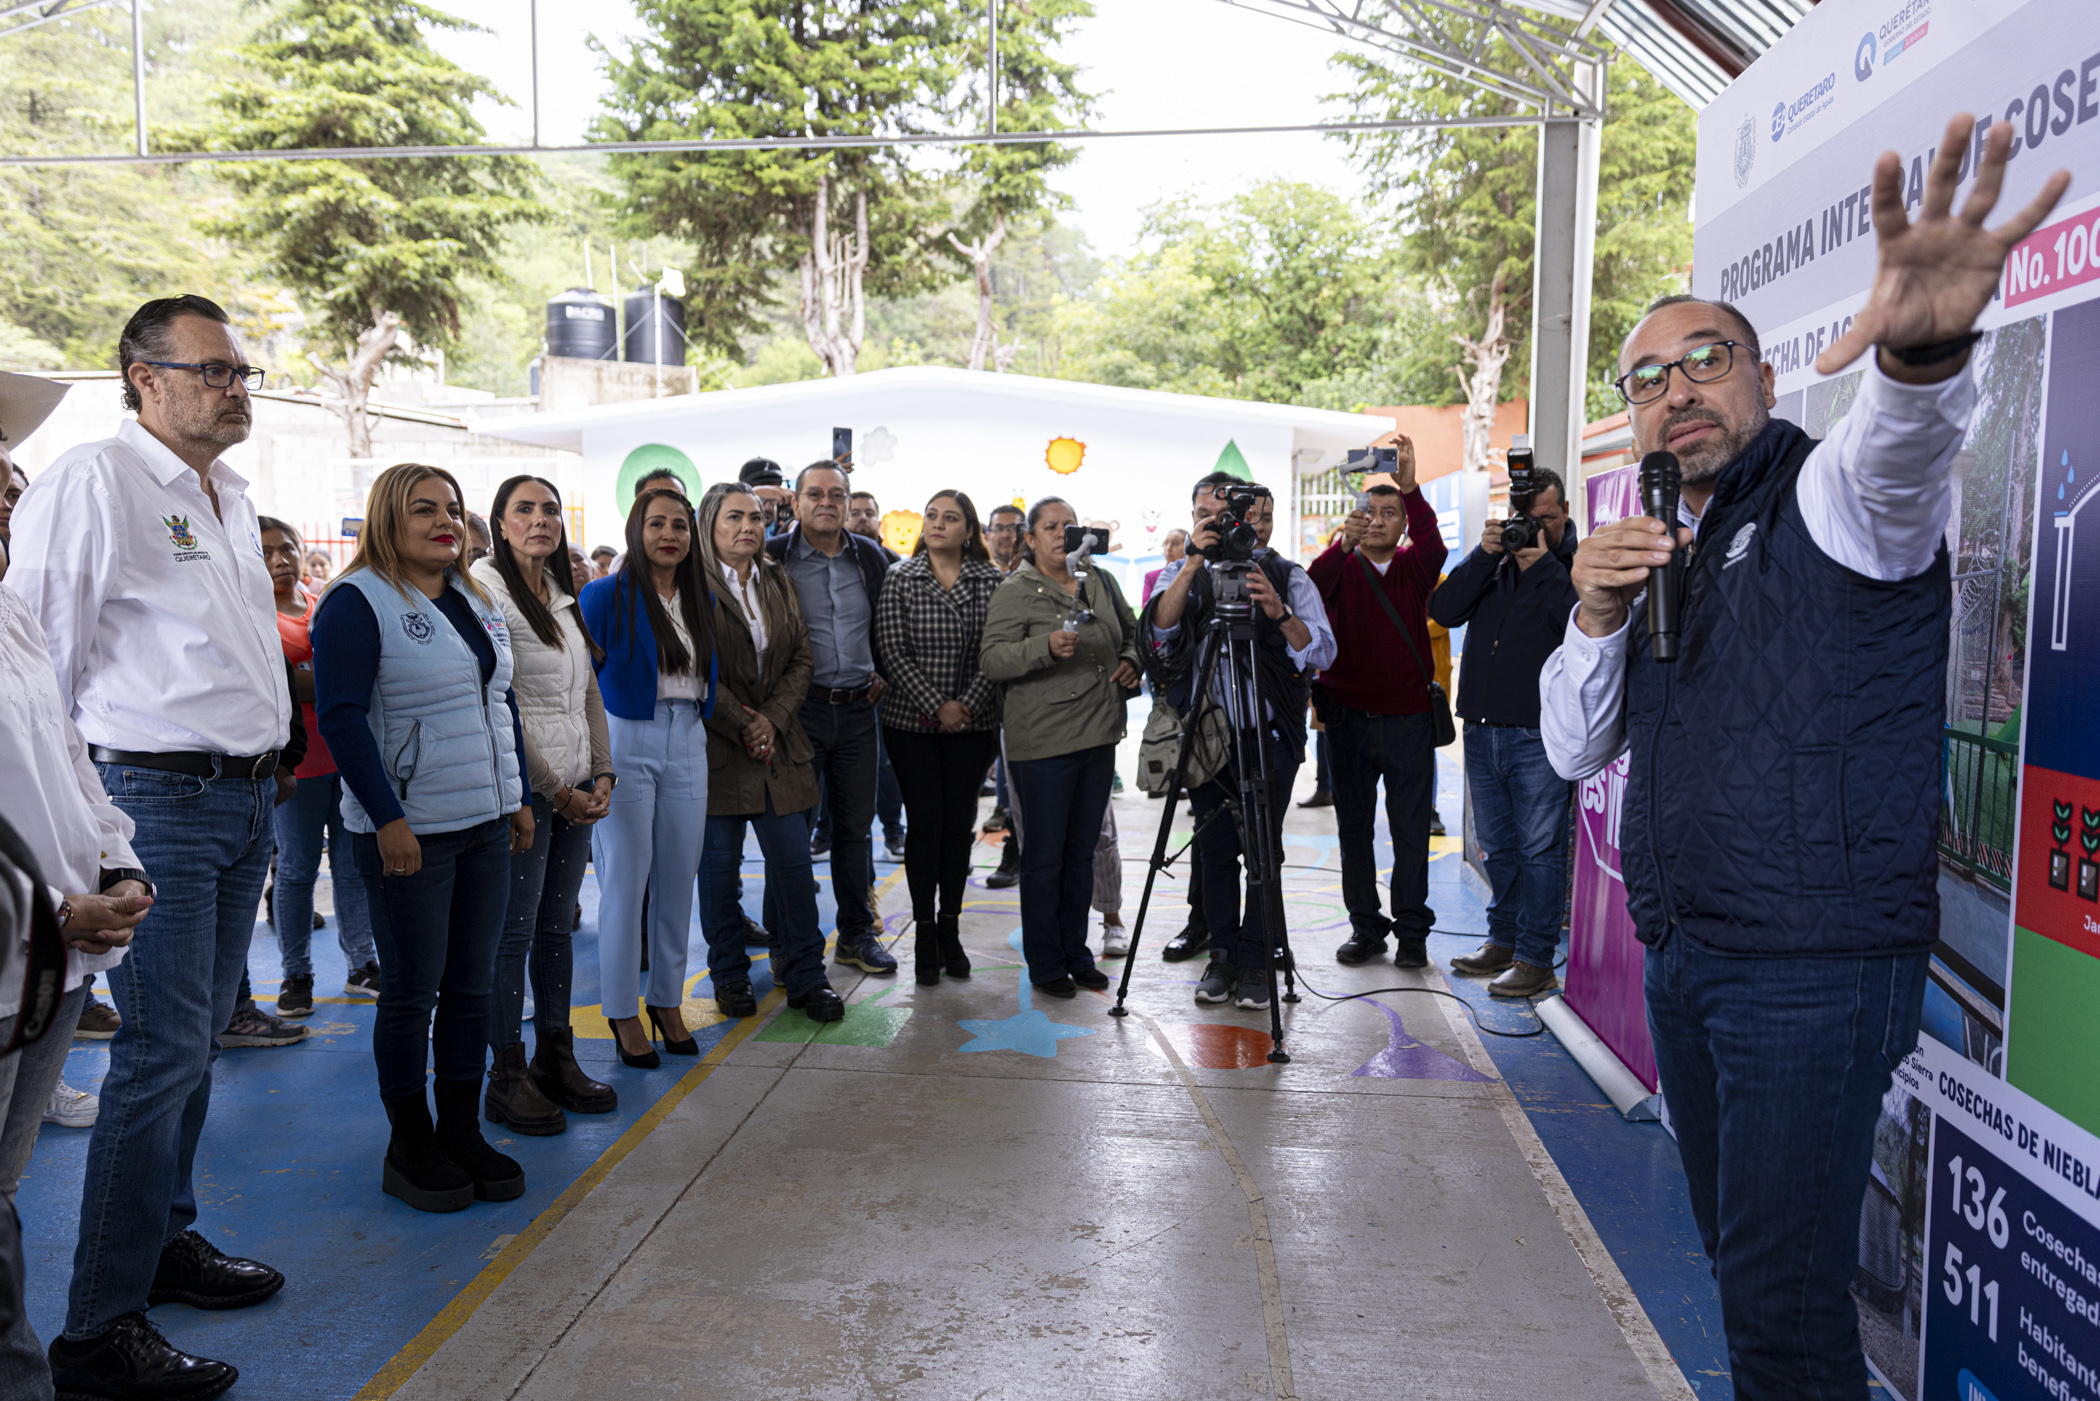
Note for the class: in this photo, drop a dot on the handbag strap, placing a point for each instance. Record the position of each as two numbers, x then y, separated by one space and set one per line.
1371 577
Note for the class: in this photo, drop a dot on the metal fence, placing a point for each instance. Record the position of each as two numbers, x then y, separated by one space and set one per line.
1980 803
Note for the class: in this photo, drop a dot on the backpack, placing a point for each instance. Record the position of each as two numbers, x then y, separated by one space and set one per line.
1208 757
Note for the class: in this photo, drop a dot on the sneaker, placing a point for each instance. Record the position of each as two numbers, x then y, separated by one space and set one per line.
865 953
1219 980
818 846
296 997
987 789
996 822
252 1026
70 1108
1253 992
1115 940
362 982
1115 781
1436 823
894 846
98 1022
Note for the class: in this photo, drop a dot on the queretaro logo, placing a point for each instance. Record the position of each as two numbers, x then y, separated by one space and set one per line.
1740 544
417 627
179 533
1863 57
1745 150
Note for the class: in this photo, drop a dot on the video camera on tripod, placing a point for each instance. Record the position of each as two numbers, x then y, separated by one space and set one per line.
1521 530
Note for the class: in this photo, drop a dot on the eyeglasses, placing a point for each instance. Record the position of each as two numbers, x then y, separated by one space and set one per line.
216 375
1010 528
1701 365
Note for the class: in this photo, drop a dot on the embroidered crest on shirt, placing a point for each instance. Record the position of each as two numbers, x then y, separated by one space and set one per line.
1740 545
183 538
417 627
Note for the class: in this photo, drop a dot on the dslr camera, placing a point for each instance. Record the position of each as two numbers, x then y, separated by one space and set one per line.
1521 530
1234 523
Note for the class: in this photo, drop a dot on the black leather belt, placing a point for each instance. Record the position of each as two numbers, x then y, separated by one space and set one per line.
211 766
836 696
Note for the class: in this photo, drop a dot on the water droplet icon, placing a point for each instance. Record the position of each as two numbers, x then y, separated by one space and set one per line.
2059 493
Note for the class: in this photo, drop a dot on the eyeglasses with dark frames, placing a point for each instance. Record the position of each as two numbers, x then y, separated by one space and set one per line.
1701 365
216 374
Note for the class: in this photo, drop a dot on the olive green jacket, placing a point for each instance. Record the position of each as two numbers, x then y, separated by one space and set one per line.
1055 707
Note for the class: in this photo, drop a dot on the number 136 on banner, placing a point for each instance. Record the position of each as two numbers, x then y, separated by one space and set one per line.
2012 1295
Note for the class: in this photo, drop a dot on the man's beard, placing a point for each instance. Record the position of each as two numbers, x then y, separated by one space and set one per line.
1703 461
210 422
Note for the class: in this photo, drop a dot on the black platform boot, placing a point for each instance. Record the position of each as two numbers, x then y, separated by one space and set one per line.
561 1079
926 952
954 962
417 1169
495 1177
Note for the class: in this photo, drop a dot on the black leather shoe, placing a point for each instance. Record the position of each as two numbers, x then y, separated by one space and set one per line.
1361 948
1059 987
1186 945
755 935
193 1272
1091 978
131 1361
820 1004
561 1079
1009 873
1410 951
736 999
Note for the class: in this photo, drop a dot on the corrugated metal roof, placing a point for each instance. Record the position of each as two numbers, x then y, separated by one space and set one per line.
1697 47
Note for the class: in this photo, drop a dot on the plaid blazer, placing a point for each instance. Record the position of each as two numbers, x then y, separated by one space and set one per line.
927 638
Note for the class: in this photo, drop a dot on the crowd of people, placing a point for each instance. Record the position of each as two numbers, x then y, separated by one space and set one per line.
471 711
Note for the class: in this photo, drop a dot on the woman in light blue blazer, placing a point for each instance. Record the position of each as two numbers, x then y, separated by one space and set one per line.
658 683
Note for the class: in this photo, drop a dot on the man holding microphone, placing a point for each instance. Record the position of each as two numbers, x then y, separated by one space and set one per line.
1778 837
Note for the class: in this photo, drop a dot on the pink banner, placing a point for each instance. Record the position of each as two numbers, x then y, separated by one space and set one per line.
1604 958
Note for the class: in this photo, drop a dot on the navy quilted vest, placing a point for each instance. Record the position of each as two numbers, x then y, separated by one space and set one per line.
1783 796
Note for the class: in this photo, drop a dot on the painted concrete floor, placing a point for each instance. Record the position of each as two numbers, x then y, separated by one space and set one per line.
971 1190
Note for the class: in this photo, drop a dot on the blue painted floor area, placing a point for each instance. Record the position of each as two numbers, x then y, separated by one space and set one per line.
288 1173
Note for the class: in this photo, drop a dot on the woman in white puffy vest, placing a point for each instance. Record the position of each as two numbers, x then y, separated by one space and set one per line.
568 769
412 669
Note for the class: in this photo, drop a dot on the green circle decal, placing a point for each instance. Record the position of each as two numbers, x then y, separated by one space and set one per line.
654 457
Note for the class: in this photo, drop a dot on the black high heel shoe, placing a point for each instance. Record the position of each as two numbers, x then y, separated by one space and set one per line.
647 1060
688 1047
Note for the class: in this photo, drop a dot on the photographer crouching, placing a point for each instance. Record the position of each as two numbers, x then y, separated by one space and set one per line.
1230 538
1783 711
1513 595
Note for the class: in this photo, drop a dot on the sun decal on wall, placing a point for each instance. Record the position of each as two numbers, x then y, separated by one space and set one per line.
900 530
1064 455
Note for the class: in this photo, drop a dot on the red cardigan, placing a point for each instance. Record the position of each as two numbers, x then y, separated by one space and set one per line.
1372 669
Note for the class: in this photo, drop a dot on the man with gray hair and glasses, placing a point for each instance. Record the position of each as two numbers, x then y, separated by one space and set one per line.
1782 795
141 559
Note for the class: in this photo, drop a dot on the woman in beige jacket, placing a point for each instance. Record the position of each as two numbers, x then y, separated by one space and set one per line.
1067 651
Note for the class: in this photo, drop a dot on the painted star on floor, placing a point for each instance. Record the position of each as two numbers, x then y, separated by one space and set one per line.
1029 1031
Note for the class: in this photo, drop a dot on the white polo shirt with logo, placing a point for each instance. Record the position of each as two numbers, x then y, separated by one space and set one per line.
159 612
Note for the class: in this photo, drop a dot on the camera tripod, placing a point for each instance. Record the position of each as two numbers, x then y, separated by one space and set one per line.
1229 639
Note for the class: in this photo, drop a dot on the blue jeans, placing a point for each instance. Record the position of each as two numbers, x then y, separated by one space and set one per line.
1396 748
889 794
538 920
207 847
790 899
1062 799
437 932
648 847
1218 849
312 818
1774 1069
844 736
1520 818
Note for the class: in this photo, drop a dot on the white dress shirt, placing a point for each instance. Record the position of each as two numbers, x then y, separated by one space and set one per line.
54 798
1875 496
1303 597
685 685
159 612
746 592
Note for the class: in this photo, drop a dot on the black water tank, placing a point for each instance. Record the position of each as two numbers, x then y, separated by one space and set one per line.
642 344
580 325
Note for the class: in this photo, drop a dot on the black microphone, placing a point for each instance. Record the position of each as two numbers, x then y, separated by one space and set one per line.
1660 480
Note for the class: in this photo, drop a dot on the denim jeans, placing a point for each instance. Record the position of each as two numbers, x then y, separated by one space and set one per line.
437 932
1520 818
790 899
207 847
1774 1069
648 849
538 920
1061 799
889 794
844 736
26 1081
311 818
1218 852
1395 748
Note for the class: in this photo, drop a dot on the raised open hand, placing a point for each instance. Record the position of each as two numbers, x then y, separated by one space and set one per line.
1937 275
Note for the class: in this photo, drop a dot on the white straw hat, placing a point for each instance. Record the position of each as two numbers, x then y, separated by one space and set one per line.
25 402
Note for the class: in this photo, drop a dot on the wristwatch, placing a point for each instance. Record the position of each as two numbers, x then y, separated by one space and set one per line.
117 875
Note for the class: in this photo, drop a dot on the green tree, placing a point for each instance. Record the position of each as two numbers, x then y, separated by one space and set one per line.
1465 200
851 222
1036 92
372 248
